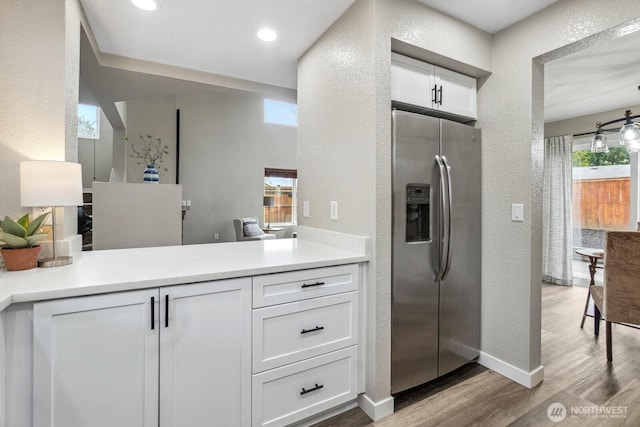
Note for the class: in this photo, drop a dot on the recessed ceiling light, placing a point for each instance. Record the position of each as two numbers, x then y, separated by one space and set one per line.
146 4
267 35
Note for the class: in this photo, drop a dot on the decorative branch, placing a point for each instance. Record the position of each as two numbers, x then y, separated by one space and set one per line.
151 151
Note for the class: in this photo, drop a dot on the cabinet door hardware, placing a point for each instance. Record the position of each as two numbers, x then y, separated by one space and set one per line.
153 312
309 285
440 97
434 94
317 387
166 311
317 328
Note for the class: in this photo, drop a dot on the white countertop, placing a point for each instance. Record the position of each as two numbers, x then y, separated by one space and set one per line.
128 269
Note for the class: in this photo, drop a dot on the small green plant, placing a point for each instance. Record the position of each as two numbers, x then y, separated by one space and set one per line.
22 232
151 151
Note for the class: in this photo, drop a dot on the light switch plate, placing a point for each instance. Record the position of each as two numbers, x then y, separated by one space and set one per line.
517 212
334 210
305 209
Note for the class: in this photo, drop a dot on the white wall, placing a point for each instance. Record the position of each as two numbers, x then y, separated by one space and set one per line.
511 116
155 117
344 138
587 123
224 148
39 54
96 156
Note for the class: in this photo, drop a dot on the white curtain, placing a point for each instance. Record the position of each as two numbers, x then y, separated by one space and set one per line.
557 252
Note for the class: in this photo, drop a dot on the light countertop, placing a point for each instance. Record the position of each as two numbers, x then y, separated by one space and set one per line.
99 272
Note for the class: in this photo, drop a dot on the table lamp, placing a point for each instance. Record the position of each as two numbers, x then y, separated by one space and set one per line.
268 203
55 184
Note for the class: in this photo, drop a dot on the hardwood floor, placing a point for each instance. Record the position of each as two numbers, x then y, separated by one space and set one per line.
576 374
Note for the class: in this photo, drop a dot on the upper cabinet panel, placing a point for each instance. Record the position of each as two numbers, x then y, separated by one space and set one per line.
428 86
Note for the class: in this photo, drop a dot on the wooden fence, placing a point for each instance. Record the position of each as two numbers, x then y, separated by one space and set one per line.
281 210
601 203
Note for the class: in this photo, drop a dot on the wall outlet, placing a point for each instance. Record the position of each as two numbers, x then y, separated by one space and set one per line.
305 209
334 210
216 236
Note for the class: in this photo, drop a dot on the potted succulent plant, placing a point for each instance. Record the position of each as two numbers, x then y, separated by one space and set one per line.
20 237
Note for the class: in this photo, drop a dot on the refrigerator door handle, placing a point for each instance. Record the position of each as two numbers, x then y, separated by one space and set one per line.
447 227
443 205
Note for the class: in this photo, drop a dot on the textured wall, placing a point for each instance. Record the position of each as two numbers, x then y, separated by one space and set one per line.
337 151
344 138
32 83
511 117
39 54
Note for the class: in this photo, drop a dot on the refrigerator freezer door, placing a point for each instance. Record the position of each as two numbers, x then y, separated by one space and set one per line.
414 311
460 286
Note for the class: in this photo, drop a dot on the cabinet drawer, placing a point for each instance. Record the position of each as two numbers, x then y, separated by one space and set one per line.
294 392
292 332
304 284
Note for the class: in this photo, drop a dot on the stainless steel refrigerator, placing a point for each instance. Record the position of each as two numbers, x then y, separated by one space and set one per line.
435 314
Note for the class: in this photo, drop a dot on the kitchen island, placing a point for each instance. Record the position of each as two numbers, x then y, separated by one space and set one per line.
183 335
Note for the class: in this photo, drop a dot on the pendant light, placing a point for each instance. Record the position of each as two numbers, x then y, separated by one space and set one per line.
630 134
599 141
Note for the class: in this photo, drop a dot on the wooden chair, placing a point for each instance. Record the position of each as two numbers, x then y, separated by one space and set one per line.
619 299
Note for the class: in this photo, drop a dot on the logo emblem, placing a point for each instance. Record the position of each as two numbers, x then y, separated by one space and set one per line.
556 412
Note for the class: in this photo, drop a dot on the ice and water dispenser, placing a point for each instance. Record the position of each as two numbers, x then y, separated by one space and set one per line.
417 227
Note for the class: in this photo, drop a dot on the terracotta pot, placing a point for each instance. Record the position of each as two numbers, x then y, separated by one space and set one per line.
20 259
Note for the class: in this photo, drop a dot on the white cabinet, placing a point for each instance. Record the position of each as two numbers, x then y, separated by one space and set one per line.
429 86
175 356
293 392
305 343
288 333
205 354
96 361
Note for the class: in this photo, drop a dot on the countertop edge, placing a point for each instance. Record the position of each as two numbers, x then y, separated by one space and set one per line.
14 295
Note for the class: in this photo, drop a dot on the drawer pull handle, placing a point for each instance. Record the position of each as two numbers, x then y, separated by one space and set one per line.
317 387
309 285
317 328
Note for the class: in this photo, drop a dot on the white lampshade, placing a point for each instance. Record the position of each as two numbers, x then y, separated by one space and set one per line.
50 183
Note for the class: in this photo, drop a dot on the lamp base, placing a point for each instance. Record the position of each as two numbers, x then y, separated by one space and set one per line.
55 262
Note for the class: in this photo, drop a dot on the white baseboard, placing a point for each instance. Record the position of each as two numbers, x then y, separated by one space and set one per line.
376 410
527 379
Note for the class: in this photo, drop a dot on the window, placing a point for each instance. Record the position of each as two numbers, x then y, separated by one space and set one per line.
280 113
280 200
88 121
601 193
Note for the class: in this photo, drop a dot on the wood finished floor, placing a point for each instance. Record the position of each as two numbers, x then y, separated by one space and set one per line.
576 374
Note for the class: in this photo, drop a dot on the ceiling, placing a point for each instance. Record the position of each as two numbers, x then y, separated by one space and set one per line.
489 15
219 37
601 78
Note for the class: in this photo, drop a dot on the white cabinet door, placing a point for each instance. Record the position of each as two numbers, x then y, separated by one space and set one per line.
412 82
425 85
456 93
96 361
205 356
